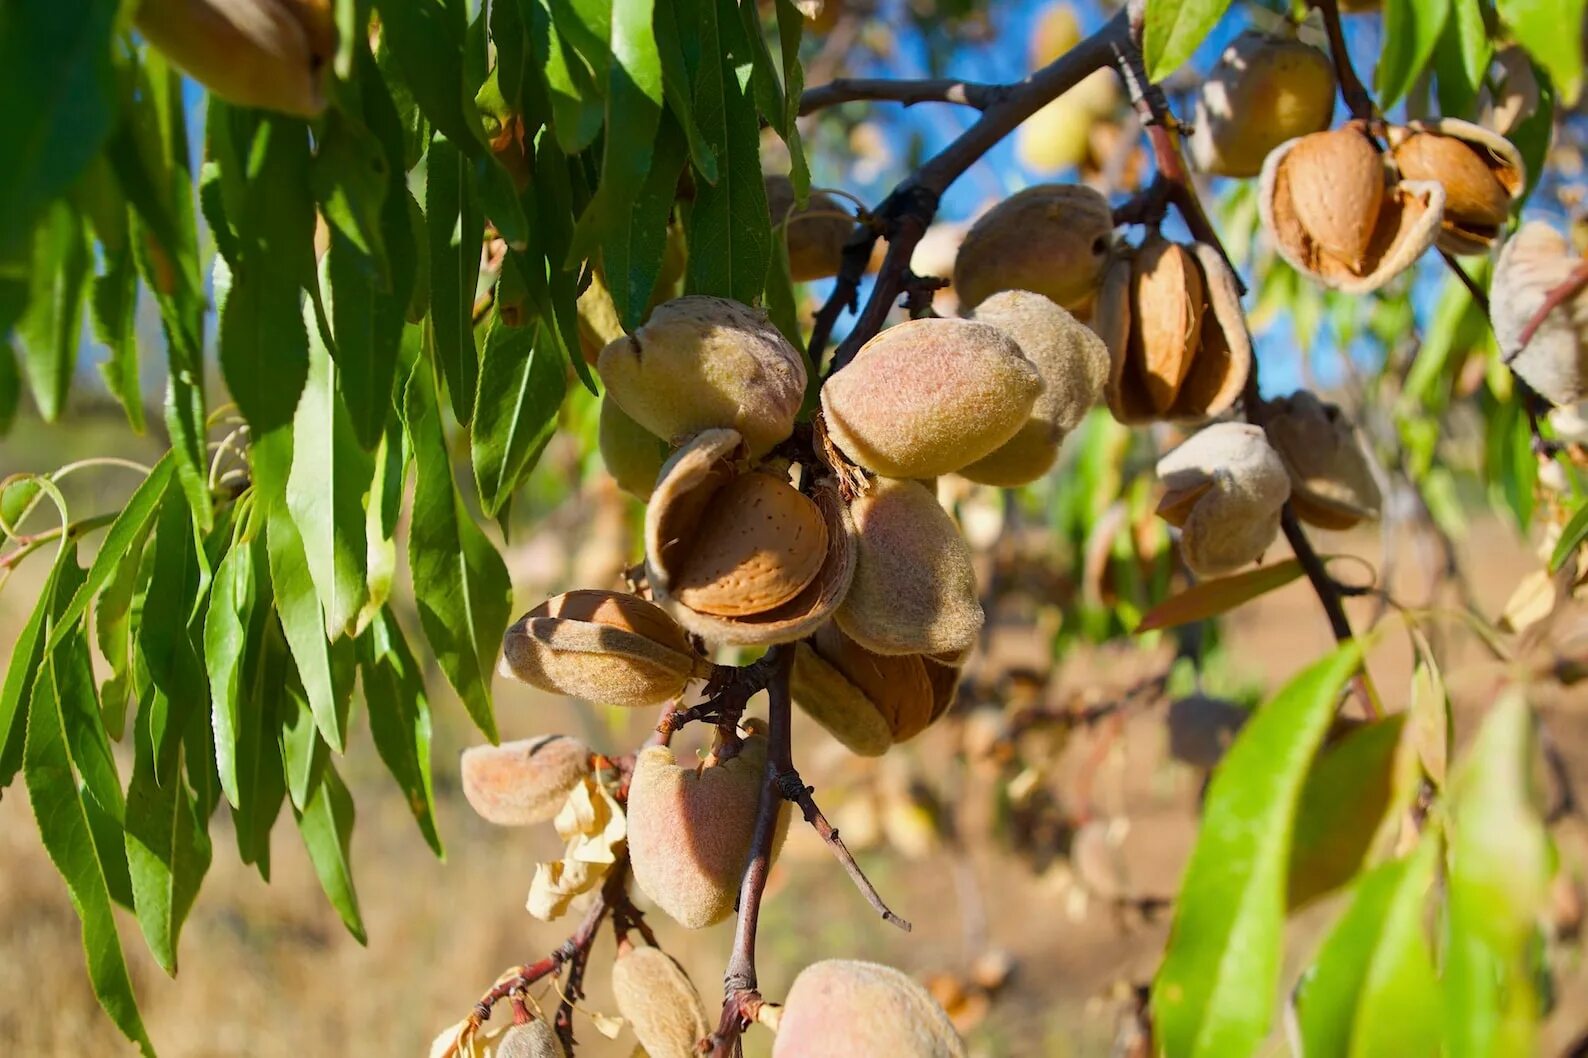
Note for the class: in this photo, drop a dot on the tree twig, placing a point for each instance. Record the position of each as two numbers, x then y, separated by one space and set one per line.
928 90
1357 99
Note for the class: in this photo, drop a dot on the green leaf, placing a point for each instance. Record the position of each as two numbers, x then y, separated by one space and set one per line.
325 488
1546 28
67 832
168 850
57 104
522 383
399 717
678 89
426 39
460 582
1214 993
116 630
303 752
633 112
1349 791
576 105
1462 58
23 666
264 351
327 828
790 31
554 289
1498 887
1371 990
1571 538
636 242
113 306
1173 29
783 310
10 387
456 231
730 233
87 742
233 637
1209 598
131 525
351 178
165 641
1411 29
326 679
257 755
1428 712
51 329
380 519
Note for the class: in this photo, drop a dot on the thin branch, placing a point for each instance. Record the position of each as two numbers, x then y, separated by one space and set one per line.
1356 97
795 790
1323 585
1569 288
930 90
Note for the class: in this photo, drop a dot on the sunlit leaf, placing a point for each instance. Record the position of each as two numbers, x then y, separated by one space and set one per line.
1411 29
399 717
326 824
1173 29
1215 992
456 229
1545 29
1209 598
522 382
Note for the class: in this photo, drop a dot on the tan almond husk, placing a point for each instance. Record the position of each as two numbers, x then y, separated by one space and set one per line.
603 646
1219 363
1407 224
1331 483
683 503
869 701
1481 183
1533 262
1051 239
1265 89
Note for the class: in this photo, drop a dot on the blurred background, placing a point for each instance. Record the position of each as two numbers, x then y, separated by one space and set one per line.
1035 835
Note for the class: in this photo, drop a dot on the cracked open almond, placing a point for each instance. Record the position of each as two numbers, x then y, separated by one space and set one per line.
1533 262
736 553
1331 484
1225 488
604 646
869 701
1171 317
1481 172
1337 214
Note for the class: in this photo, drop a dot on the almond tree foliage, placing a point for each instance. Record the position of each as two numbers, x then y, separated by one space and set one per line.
409 203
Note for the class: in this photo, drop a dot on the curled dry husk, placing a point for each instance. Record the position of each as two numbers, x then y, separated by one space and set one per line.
1171 317
1074 365
1372 229
1331 484
870 701
604 646
1224 488
816 234
525 781
1534 261
660 1002
845 1008
1481 172
929 397
1263 91
739 555
274 54
703 362
1053 239
914 589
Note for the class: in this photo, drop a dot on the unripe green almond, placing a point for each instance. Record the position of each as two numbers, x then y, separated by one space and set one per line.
659 1002
1053 239
531 1039
1225 489
816 234
914 590
844 1008
632 454
1073 363
604 646
703 362
1265 90
690 829
929 397
274 54
523 782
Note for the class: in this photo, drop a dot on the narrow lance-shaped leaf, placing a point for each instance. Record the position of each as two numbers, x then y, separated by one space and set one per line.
1214 994
1546 29
303 751
399 717
1411 30
257 757
168 849
68 837
1209 598
636 242
678 88
233 633
52 327
1498 884
575 104
58 92
1371 990
165 641
330 474
87 742
522 383
456 232
426 38
1173 29
23 665
327 828
460 582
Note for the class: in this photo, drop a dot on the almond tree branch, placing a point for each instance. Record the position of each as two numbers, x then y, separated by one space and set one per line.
1356 97
903 217
928 90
